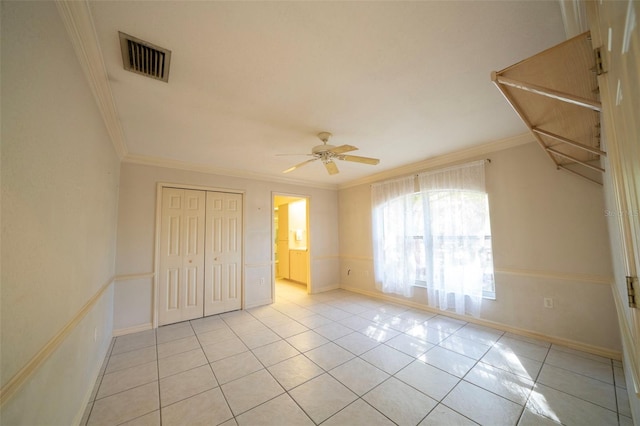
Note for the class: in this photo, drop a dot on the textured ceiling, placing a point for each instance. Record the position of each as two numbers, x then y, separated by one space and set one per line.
402 81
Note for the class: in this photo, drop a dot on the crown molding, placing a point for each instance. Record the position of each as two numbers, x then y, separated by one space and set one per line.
77 19
445 159
200 168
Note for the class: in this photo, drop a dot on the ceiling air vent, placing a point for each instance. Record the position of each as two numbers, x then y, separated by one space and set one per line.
144 58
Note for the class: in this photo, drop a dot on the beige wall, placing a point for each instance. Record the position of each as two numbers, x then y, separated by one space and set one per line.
59 199
59 214
549 240
136 236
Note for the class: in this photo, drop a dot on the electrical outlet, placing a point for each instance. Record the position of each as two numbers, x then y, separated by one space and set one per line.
261 281
548 302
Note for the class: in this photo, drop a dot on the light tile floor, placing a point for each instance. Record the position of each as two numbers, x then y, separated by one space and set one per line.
339 358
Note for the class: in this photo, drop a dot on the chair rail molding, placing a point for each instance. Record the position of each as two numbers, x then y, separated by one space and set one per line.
21 377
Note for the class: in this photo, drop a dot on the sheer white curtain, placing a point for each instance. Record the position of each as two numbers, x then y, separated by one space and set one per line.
456 225
392 235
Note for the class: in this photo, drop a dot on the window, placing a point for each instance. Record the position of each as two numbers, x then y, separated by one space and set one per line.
441 246
448 247
438 238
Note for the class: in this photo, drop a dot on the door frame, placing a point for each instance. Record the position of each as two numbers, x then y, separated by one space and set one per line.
273 238
157 235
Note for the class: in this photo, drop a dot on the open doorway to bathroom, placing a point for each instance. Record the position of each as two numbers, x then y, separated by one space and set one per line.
290 244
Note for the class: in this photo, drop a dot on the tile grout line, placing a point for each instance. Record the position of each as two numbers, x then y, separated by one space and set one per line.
360 397
548 349
107 360
158 370
333 303
535 382
460 379
391 375
615 391
617 411
286 392
211 368
102 371
324 372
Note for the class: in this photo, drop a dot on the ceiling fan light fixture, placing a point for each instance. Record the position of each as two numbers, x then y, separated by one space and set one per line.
327 153
324 136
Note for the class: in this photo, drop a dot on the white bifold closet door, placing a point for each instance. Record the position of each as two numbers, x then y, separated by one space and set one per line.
181 281
200 254
223 253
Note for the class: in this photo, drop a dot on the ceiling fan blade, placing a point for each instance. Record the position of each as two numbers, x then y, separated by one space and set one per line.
343 148
290 169
355 158
289 155
332 168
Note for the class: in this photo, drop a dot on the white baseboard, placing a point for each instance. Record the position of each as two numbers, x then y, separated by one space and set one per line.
89 393
326 288
258 303
134 329
584 347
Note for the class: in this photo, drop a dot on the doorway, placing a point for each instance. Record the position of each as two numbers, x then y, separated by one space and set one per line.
199 255
291 242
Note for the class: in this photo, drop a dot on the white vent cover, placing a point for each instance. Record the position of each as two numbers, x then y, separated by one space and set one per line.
144 58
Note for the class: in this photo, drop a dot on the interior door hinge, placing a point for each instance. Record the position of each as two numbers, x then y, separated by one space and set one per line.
599 59
633 302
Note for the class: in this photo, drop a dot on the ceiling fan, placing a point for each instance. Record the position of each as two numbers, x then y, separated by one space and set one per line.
327 153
